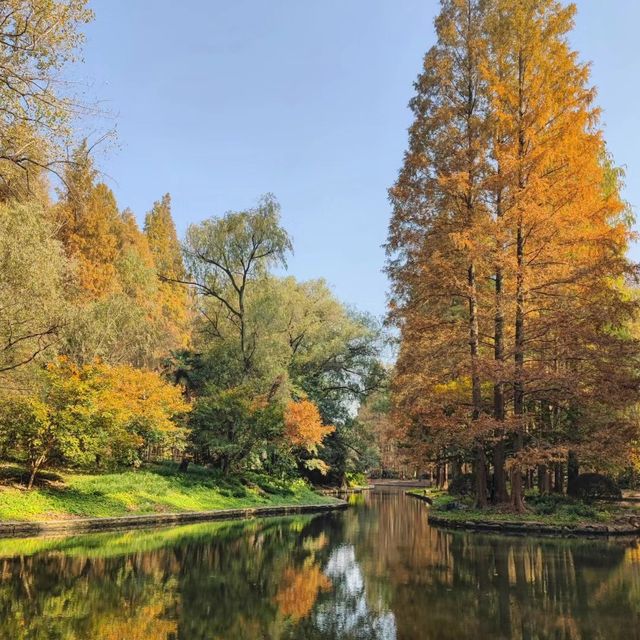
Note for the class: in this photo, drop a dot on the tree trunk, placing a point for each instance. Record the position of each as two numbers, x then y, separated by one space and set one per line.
573 471
544 480
440 479
34 466
456 468
500 494
480 473
480 470
558 481
517 496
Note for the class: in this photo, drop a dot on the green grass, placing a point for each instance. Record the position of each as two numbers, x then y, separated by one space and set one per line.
154 489
114 544
558 510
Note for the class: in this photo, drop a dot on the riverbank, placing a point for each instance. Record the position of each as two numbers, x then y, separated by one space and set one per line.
156 492
555 516
88 525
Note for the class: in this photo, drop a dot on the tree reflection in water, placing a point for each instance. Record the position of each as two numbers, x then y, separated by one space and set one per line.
375 571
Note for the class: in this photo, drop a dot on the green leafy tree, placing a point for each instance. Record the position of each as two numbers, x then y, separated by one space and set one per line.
226 258
33 272
232 431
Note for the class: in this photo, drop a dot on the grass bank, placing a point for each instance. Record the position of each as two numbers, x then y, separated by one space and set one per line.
119 543
153 489
554 512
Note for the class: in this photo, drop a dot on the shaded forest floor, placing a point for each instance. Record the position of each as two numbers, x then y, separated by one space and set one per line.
152 489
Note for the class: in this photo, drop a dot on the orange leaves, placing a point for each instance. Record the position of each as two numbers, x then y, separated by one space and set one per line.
303 425
507 244
300 589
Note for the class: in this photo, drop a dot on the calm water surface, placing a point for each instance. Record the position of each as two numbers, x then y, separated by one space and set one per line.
376 570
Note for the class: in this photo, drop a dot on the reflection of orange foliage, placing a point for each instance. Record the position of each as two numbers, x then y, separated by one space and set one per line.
303 425
299 590
147 623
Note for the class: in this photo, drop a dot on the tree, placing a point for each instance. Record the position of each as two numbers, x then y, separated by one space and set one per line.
122 312
38 38
89 223
162 237
141 412
231 431
308 345
33 274
507 253
567 239
225 257
83 415
54 422
303 429
437 238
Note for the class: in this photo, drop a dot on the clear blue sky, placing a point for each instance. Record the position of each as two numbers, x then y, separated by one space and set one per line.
218 102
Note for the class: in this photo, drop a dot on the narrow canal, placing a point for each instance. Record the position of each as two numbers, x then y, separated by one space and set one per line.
374 571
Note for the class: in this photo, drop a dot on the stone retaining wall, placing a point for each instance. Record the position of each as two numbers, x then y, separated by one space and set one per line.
84 525
532 528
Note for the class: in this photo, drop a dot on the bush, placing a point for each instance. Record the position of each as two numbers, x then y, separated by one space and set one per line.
561 505
594 486
580 509
462 485
356 479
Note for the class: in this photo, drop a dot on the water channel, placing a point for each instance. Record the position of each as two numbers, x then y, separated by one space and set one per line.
374 571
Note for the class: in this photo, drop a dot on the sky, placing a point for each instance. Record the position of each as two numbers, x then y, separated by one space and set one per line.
219 102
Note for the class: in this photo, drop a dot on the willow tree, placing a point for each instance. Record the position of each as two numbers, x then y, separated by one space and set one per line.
225 258
32 283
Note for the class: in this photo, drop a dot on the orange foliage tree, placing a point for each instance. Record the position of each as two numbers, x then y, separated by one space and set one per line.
507 255
303 429
83 415
303 425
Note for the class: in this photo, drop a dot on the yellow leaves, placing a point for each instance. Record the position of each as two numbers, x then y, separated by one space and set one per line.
139 394
123 407
303 425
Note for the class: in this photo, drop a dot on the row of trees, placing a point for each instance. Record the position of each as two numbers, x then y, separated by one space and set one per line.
511 286
120 344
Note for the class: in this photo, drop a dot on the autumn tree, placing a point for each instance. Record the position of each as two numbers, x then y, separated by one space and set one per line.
566 235
83 415
88 220
162 237
437 237
507 180
38 38
303 428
